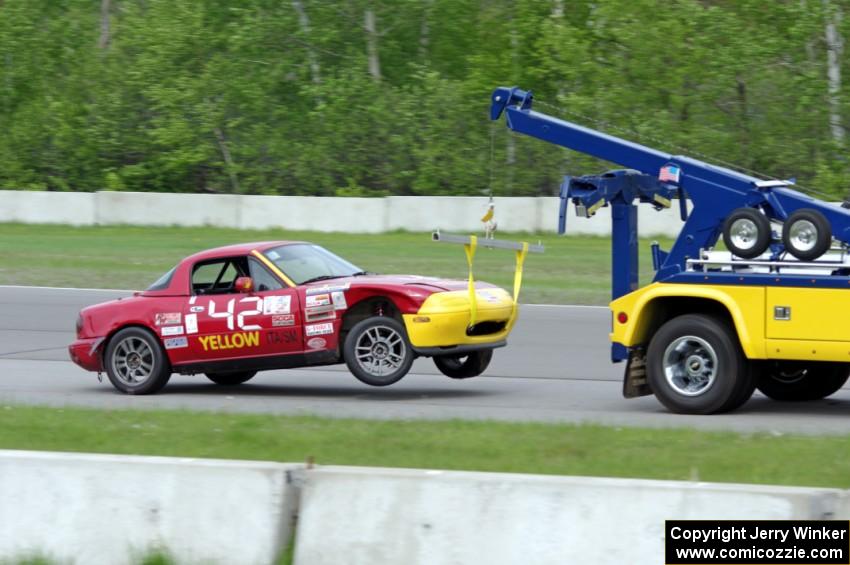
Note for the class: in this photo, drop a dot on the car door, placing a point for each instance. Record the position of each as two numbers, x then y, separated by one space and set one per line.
225 324
281 321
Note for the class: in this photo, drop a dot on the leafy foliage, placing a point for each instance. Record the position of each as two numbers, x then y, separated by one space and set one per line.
251 97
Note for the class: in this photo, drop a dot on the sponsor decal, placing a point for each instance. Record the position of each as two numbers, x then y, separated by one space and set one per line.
276 305
284 320
317 343
319 329
176 342
196 309
318 300
191 321
281 337
327 288
168 318
238 340
488 296
320 313
172 330
338 298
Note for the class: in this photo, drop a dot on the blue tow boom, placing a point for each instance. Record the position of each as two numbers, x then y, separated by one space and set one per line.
655 177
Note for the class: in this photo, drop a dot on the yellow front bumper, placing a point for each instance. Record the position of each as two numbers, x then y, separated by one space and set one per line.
444 317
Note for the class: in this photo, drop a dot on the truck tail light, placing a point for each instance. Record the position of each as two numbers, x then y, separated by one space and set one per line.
79 326
622 317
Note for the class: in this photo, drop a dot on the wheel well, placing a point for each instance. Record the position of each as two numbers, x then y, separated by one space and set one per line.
111 334
374 306
661 310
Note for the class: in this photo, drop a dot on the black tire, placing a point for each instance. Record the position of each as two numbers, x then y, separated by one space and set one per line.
708 370
377 351
793 381
464 366
806 234
746 388
746 233
231 379
135 362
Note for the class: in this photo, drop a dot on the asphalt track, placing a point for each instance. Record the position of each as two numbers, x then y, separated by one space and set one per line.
554 369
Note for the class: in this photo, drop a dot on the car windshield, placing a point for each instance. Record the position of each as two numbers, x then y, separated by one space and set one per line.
163 282
305 262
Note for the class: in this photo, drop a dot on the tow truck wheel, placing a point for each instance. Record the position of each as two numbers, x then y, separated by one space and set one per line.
746 233
695 366
793 381
135 362
464 366
231 379
377 351
806 234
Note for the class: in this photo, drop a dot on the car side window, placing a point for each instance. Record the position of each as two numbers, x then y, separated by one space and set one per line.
217 277
263 279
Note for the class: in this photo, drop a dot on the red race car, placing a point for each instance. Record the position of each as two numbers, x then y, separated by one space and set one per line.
232 311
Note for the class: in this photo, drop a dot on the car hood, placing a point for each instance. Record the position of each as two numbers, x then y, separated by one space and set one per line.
433 284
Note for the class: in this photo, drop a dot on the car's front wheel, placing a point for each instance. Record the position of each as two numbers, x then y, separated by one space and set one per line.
231 379
136 363
464 366
377 351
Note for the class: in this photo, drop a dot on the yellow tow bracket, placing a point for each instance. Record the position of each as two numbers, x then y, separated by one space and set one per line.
520 259
470 244
469 249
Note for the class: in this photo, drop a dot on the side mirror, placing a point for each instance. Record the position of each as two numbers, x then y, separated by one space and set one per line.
244 284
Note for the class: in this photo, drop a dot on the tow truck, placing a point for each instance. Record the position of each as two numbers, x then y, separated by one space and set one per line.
770 312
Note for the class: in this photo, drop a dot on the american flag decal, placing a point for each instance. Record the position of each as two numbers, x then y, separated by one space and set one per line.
669 173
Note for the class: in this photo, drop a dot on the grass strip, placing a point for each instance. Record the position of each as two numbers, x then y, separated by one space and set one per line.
542 448
574 270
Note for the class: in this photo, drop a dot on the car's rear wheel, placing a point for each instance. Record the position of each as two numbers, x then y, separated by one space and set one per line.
136 363
464 366
794 381
231 379
377 351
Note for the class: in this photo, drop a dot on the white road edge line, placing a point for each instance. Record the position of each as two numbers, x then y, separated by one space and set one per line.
127 290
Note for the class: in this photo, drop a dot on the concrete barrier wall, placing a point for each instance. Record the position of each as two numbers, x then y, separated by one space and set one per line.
381 516
29 207
324 214
315 213
80 508
111 510
164 209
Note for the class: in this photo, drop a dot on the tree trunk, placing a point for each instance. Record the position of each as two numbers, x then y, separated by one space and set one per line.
425 31
744 119
834 51
103 42
304 23
228 160
372 44
558 9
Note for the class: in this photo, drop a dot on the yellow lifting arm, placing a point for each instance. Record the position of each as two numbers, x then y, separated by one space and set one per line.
470 244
